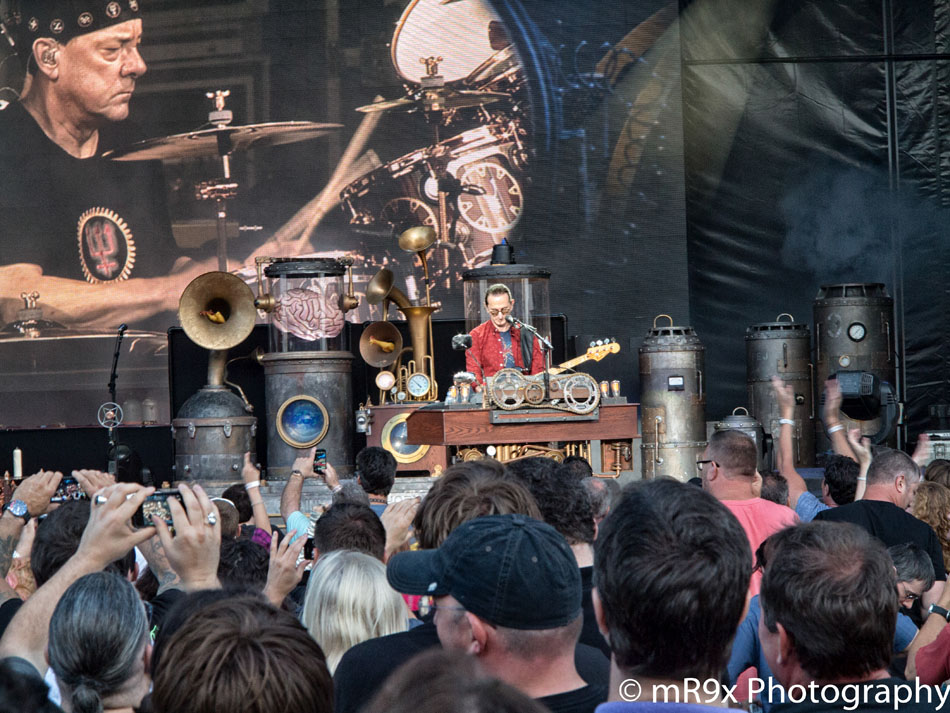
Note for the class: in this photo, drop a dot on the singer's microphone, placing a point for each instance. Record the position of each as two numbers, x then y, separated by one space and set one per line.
123 327
512 320
461 342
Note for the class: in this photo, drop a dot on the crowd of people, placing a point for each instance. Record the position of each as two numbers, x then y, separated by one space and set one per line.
525 586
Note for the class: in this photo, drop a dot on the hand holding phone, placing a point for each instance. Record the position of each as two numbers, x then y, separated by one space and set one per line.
156 505
320 462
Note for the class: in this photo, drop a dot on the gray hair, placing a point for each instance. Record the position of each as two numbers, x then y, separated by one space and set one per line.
97 635
352 492
349 601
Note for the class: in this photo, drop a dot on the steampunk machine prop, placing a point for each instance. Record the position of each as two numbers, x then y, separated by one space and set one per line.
381 343
782 348
673 399
215 427
308 368
854 343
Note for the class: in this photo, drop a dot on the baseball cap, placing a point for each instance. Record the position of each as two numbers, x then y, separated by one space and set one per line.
510 570
65 19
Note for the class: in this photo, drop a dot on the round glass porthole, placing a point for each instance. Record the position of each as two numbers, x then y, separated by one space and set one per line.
302 421
394 440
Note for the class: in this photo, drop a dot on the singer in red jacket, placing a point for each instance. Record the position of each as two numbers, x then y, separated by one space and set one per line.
496 344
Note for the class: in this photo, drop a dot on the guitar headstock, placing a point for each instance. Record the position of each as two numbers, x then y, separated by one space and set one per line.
601 348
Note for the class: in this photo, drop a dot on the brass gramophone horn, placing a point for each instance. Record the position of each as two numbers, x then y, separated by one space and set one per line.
217 312
380 344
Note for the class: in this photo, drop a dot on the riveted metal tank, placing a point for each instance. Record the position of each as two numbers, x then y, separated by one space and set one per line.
782 348
853 332
212 432
749 426
672 400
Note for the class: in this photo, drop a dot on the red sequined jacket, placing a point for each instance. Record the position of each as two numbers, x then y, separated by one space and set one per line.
486 350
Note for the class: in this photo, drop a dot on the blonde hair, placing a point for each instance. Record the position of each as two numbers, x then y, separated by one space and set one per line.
349 601
932 505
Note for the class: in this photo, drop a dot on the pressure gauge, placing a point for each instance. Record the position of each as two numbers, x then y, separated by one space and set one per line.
857 331
418 385
400 396
385 380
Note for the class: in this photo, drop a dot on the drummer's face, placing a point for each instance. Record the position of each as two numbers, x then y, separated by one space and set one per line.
97 73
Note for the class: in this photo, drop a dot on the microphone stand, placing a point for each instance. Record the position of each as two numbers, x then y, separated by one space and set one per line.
548 348
113 440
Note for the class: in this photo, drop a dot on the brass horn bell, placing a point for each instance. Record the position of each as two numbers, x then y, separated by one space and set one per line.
380 344
381 288
417 239
217 310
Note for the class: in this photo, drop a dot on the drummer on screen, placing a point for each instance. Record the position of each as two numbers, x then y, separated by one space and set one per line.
499 344
93 237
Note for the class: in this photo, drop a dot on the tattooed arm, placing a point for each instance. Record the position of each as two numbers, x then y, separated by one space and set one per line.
157 560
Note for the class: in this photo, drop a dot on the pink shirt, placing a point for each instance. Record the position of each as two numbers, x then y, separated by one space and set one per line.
760 518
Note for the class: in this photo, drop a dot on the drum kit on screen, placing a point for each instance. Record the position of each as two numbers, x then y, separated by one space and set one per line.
464 78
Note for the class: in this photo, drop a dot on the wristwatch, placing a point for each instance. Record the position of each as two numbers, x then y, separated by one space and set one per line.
18 508
934 609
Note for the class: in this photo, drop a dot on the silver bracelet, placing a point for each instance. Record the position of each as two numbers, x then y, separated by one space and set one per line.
786 422
834 429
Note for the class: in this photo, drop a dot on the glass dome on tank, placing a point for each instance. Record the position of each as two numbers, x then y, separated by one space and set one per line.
529 287
307 313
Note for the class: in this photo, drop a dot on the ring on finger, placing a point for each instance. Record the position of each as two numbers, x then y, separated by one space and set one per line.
101 500
212 519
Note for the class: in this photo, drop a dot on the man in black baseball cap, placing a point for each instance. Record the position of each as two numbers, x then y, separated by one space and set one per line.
507 589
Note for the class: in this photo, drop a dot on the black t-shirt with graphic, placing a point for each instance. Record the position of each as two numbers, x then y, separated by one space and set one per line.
85 219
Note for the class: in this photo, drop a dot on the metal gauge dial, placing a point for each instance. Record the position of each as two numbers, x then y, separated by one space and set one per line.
418 385
857 331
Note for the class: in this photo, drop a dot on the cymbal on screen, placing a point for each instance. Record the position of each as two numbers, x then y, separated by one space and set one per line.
222 141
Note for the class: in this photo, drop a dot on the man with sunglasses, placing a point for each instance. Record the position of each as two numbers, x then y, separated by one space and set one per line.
498 344
728 472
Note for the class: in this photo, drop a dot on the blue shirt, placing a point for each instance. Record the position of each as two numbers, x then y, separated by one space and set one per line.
299 522
808 506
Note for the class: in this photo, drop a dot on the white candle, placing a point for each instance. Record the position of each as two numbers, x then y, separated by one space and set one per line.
17 464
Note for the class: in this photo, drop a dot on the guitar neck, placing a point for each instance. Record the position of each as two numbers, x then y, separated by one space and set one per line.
569 364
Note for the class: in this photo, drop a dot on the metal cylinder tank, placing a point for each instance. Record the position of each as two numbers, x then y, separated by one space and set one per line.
782 348
309 403
853 332
308 372
673 401
212 432
749 426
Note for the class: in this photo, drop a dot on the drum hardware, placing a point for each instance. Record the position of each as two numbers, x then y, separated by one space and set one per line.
220 140
29 320
414 381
